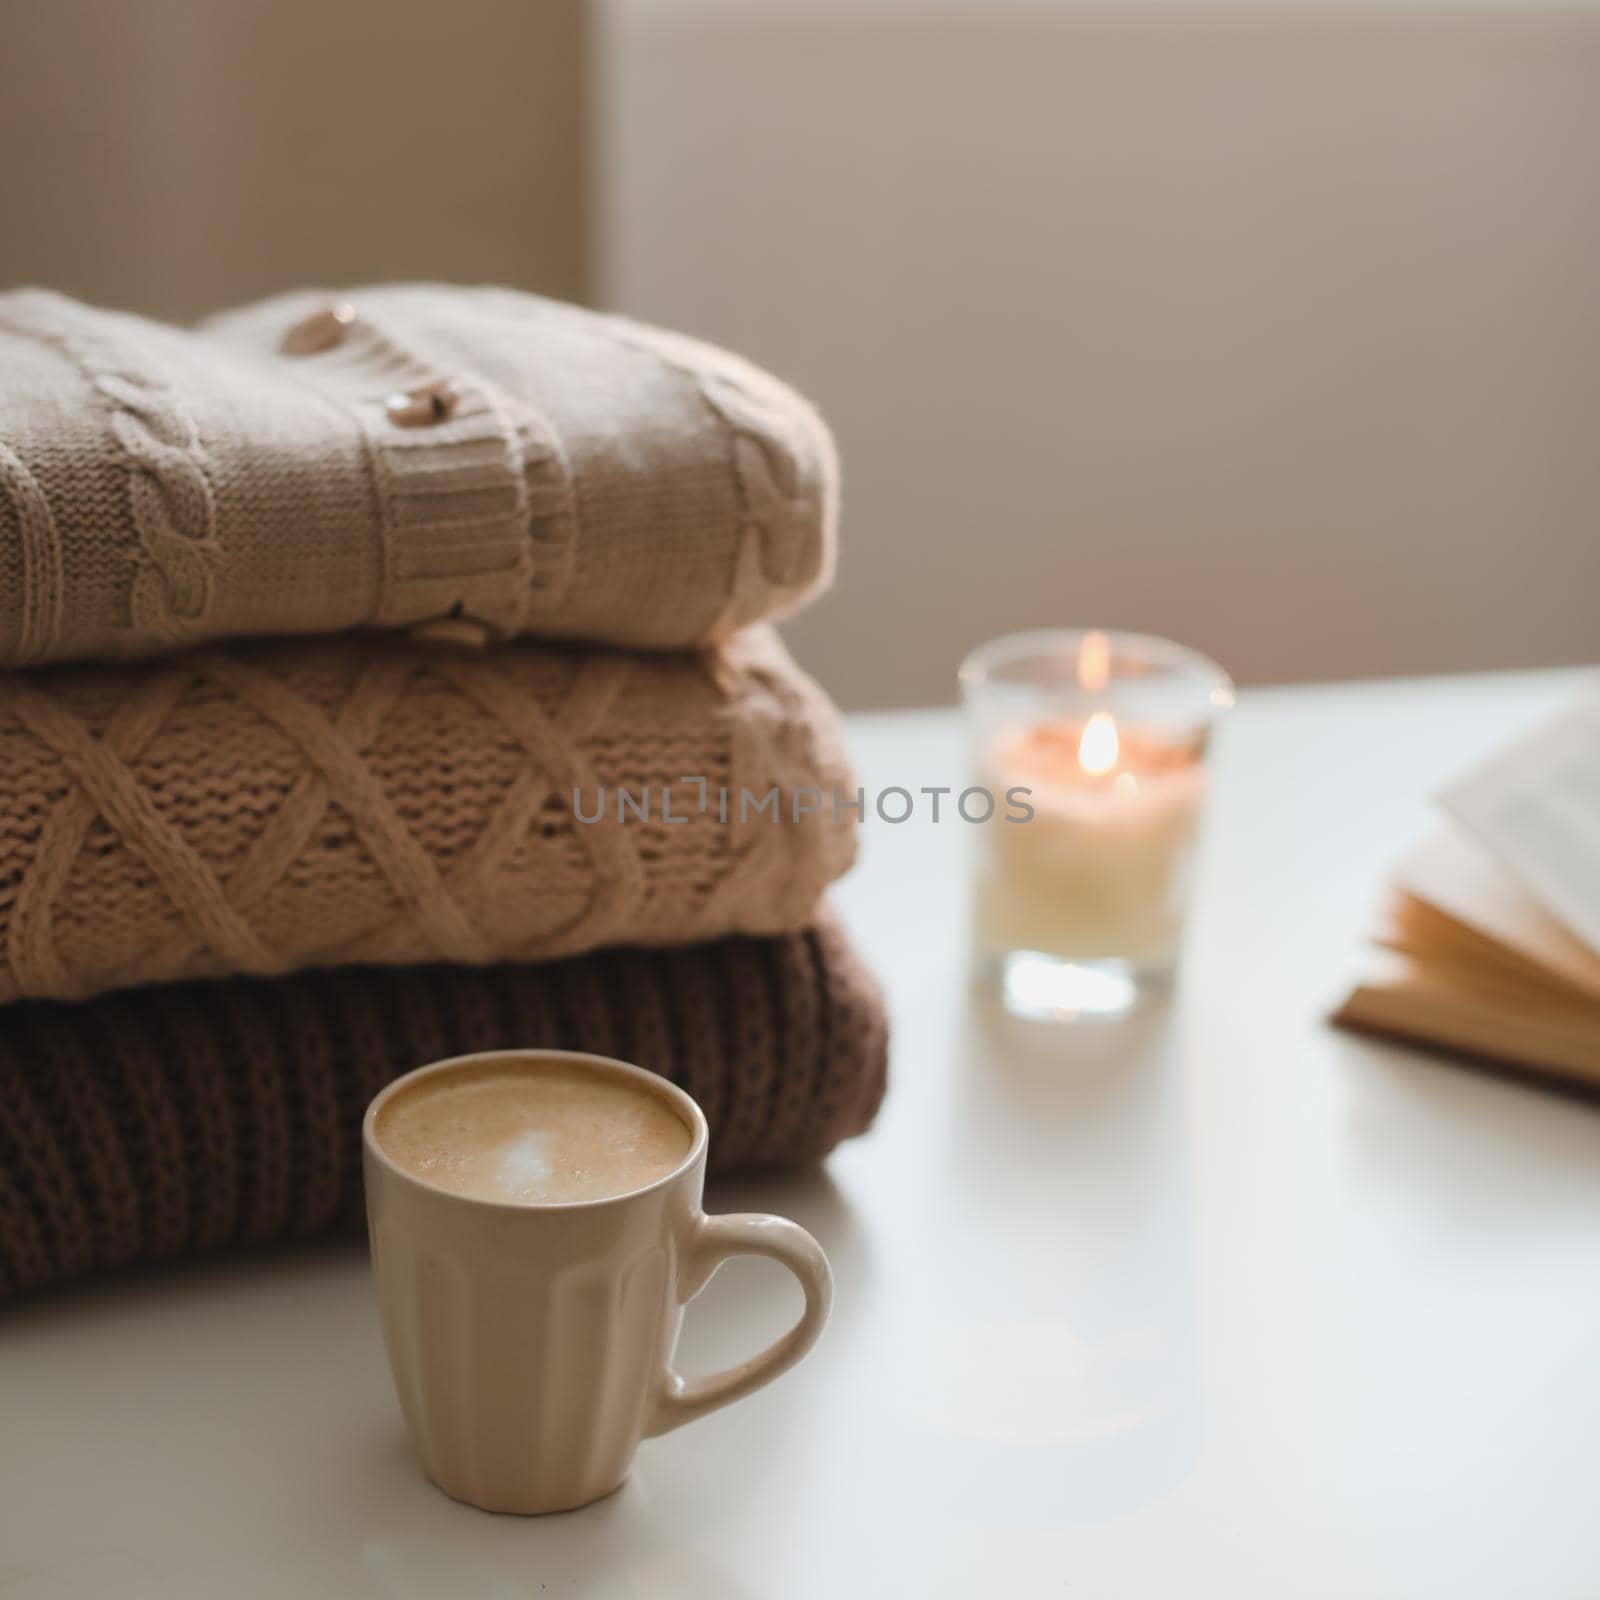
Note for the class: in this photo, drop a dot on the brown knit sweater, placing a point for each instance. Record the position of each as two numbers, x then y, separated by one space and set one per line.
170 1120
260 808
475 459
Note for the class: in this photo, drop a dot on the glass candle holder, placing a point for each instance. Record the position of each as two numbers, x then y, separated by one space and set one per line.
1094 746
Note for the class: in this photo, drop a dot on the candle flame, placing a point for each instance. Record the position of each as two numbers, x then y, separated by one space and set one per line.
1094 661
1098 744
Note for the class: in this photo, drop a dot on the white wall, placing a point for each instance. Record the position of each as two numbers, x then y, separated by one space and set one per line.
1277 331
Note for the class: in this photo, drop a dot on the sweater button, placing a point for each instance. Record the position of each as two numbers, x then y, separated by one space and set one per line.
322 330
423 406
465 634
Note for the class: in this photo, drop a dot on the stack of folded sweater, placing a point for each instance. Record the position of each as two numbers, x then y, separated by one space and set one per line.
325 629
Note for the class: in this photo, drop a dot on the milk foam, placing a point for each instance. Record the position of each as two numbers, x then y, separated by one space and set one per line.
531 1135
525 1164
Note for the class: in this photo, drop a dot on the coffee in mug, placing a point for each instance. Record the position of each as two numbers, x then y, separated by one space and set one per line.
536 1233
532 1137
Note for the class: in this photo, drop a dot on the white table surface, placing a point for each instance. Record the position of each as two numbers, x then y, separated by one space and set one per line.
1217 1302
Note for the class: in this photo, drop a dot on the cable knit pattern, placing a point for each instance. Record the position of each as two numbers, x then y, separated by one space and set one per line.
262 808
785 487
182 1119
39 582
581 477
170 505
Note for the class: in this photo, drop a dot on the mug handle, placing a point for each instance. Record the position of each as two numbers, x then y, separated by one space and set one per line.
744 1234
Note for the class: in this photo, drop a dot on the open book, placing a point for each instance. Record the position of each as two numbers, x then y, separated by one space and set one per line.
1483 939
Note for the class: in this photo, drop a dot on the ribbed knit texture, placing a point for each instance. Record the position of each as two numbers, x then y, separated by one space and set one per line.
589 478
181 1119
262 808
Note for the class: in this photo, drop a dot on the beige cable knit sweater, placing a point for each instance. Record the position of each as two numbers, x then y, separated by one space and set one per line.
259 808
474 462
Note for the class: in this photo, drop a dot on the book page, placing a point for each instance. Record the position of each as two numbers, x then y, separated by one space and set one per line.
1461 878
1536 806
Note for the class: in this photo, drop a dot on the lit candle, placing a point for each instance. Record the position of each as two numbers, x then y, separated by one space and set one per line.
1107 734
1100 870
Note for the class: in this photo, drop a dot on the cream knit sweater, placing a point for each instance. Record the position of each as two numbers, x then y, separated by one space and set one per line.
473 462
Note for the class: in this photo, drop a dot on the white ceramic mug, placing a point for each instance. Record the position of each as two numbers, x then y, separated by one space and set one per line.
532 1344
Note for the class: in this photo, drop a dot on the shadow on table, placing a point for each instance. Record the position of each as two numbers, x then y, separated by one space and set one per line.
416 1544
1074 1367
1424 1119
1065 1066
809 1197
184 1279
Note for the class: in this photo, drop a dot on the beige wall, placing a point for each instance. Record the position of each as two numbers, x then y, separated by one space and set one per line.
1277 330
174 155
1274 330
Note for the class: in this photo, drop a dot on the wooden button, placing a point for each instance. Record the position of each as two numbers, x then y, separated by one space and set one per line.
322 330
465 634
424 406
